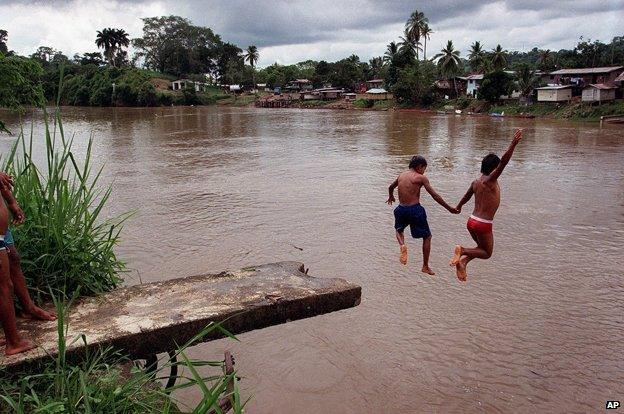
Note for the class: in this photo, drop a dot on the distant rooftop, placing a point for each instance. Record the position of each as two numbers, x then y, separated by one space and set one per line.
601 86
586 71
377 90
551 87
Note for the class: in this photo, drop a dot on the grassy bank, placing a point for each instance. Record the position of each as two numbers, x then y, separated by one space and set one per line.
574 111
104 381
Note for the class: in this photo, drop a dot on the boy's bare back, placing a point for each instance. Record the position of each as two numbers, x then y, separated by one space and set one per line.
409 184
487 197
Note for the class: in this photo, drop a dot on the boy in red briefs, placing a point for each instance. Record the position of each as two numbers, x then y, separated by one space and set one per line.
487 199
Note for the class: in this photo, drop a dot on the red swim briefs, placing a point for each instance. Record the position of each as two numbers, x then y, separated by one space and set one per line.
479 225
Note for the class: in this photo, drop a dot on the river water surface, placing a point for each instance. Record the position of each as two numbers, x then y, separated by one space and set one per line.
537 328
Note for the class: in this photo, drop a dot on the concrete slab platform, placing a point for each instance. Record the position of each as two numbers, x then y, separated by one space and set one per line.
153 318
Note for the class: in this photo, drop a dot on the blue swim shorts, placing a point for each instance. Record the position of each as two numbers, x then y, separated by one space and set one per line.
413 216
8 237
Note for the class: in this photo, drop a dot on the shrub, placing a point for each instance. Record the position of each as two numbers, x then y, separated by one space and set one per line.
65 243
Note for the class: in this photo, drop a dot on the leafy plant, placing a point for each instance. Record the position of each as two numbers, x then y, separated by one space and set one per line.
65 243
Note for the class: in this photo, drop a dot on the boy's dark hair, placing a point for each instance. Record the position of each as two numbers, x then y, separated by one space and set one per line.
489 163
417 161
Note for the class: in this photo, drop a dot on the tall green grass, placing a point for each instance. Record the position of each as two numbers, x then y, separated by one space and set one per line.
99 384
66 244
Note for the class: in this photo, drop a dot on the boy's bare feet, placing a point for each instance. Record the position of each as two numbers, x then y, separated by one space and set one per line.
461 270
23 346
403 257
456 255
36 313
427 269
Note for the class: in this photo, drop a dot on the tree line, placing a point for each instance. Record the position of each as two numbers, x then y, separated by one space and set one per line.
173 47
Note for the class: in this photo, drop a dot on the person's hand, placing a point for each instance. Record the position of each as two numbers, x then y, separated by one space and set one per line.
18 215
458 208
517 136
390 200
453 210
6 180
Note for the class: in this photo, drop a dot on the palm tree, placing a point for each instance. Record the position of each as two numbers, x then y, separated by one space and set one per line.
252 56
121 39
499 58
477 58
408 46
112 40
527 81
391 51
448 62
376 64
545 58
414 27
426 34
104 40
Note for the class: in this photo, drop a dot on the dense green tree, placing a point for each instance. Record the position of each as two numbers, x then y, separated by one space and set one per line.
230 64
20 84
494 85
91 58
44 54
3 42
171 44
414 85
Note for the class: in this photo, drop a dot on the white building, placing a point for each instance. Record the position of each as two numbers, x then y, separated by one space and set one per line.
557 93
472 84
181 84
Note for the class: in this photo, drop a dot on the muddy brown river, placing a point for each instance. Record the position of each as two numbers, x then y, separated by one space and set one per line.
538 328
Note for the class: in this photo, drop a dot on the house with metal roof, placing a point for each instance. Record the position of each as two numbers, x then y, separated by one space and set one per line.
586 76
598 93
556 93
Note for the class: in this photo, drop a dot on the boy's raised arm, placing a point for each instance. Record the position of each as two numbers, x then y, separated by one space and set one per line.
506 157
394 185
437 196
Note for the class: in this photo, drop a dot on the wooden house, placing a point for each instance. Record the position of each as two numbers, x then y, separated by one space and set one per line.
585 76
557 93
598 93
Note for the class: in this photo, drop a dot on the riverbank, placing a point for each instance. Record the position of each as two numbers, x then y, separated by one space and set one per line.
576 111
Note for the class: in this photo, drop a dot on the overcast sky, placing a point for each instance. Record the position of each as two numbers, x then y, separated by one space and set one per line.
289 31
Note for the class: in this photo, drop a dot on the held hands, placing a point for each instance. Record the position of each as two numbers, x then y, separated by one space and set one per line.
390 200
453 210
18 214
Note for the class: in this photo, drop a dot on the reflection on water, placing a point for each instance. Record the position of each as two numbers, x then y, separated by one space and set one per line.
538 328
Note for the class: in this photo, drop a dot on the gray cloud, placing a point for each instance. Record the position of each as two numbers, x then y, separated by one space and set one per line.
291 30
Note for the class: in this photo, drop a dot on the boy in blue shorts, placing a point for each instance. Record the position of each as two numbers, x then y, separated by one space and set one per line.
410 213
